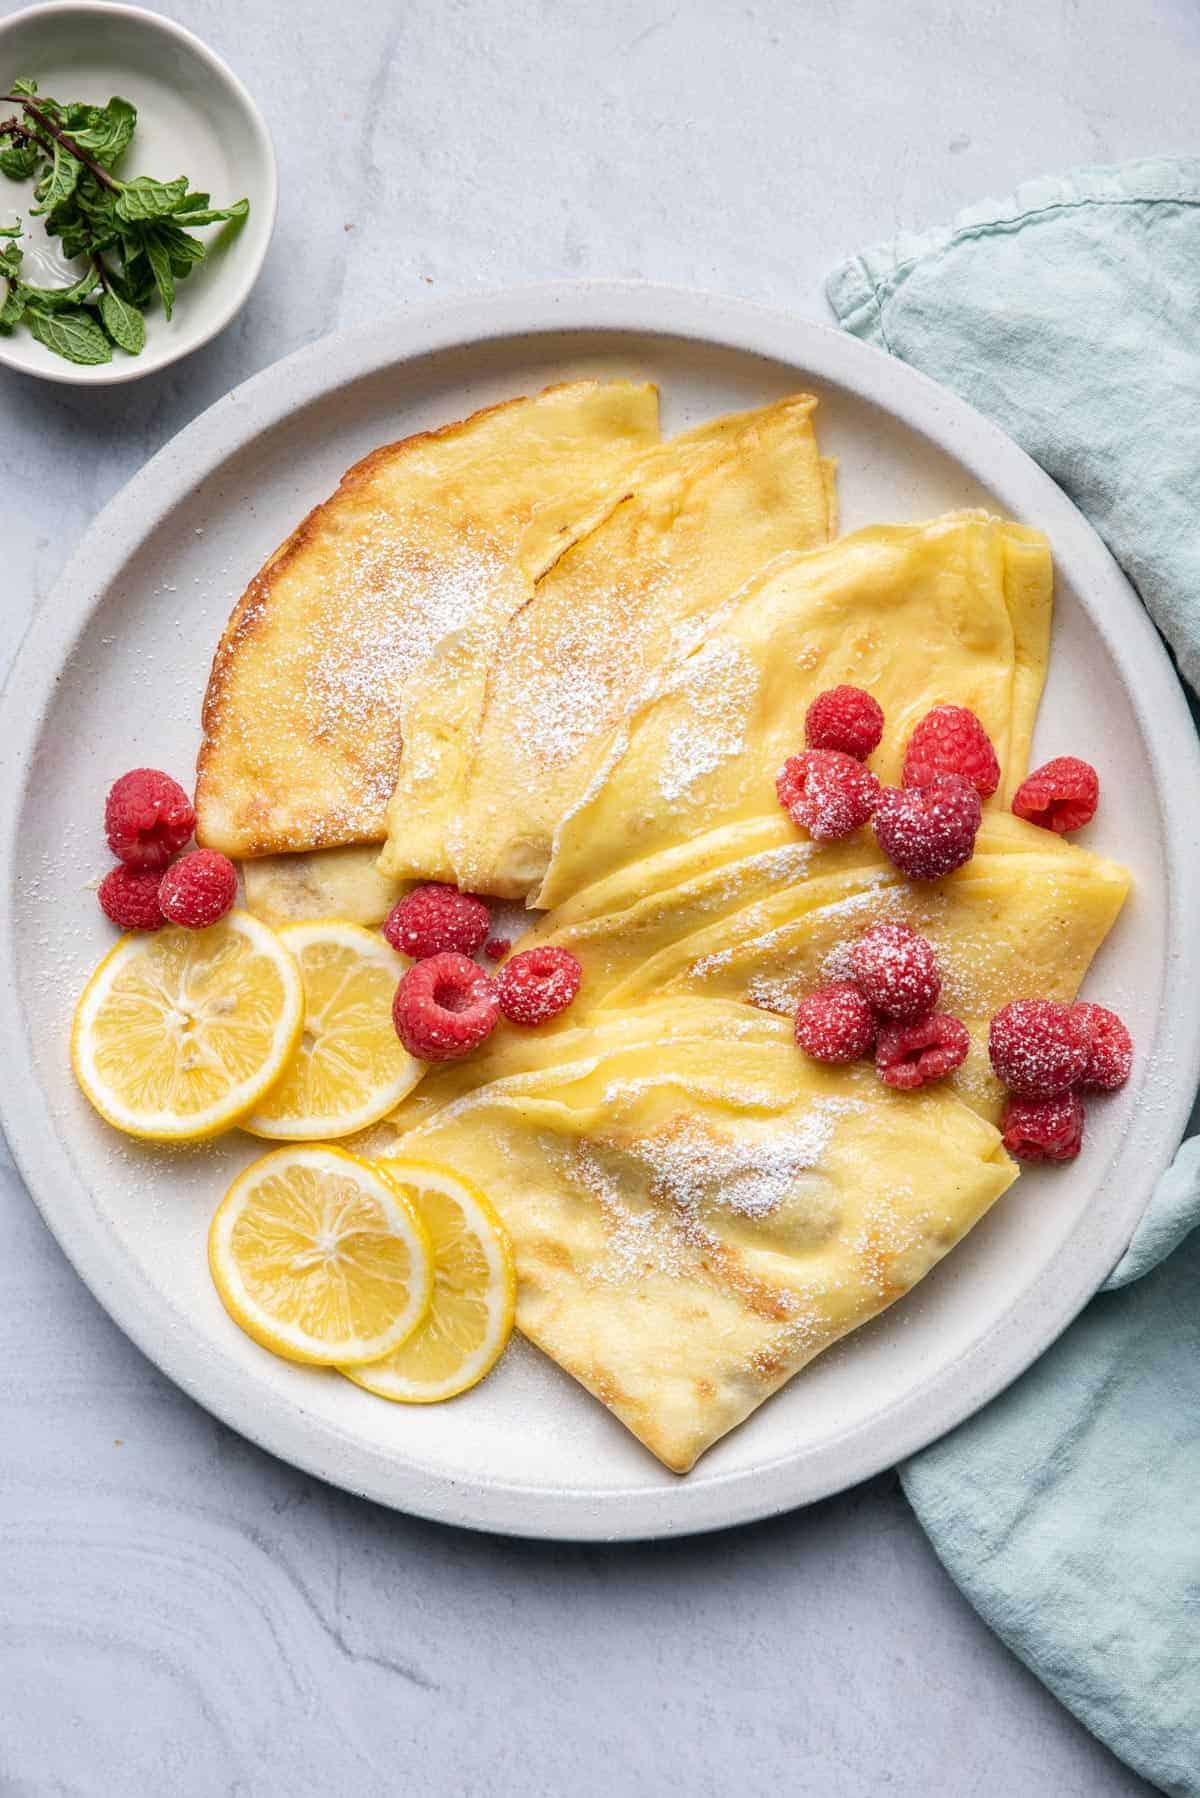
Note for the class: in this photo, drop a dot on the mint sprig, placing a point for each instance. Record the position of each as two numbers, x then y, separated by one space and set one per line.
136 234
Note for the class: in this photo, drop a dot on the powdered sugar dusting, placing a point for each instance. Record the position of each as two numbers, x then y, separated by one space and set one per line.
716 685
752 1173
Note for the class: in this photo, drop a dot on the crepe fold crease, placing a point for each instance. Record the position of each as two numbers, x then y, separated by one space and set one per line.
422 541
697 1211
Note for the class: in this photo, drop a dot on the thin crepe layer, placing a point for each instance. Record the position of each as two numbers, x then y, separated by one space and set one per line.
302 717
757 912
697 1211
957 610
705 513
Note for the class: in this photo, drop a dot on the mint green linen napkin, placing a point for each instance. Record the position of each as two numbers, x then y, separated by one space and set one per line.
1069 1509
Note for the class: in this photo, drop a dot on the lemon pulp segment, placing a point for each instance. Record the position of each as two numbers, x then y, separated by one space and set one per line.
348 1069
320 1257
470 1317
177 1034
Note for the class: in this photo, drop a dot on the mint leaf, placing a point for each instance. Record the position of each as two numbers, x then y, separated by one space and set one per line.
24 85
107 134
135 283
210 215
73 335
59 299
145 198
59 184
14 300
19 161
159 258
12 311
123 322
182 249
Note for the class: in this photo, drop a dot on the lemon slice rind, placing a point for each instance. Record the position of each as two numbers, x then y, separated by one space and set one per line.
382 1096
397 1217
166 1125
393 1377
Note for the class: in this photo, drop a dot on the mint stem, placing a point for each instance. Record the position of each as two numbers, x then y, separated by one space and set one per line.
68 143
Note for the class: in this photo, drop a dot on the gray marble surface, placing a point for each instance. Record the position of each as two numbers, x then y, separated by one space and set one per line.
180 1613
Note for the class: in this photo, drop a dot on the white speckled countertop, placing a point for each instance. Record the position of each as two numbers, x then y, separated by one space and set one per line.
183 1615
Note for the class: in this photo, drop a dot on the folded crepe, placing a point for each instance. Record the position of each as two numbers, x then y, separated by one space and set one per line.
756 911
957 610
697 1211
488 767
302 717
501 738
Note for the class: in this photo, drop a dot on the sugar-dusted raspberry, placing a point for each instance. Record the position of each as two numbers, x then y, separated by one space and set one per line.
437 919
537 984
844 718
444 1007
129 896
1110 1048
827 793
198 889
928 831
951 740
1061 795
910 1055
897 971
147 818
1043 1129
497 947
1038 1048
835 1024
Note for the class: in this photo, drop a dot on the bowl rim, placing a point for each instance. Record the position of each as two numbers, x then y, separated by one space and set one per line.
240 283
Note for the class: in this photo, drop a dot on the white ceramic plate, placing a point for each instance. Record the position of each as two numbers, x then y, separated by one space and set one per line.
111 675
194 118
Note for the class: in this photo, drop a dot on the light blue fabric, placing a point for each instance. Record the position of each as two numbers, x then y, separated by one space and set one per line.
1069 1509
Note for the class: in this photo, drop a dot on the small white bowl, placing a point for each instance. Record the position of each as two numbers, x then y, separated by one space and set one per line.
194 118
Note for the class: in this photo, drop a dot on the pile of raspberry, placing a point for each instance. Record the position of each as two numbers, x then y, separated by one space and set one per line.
889 1006
148 819
1046 1054
927 825
446 1004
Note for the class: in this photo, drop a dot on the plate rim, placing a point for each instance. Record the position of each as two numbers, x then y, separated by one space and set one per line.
957 1388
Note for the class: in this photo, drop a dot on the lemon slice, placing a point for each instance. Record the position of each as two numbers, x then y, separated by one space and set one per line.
177 1034
320 1256
349 1069
470 1317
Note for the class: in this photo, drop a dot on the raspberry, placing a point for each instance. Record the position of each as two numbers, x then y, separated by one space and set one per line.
1038 1047
827 793
897 971
1110 1048
1043 1129
1061 795
951 740
928 831
129 896
834 1024
435 920
198 889
147 817
844 718
909 1055
444 1007
497 947
537 984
